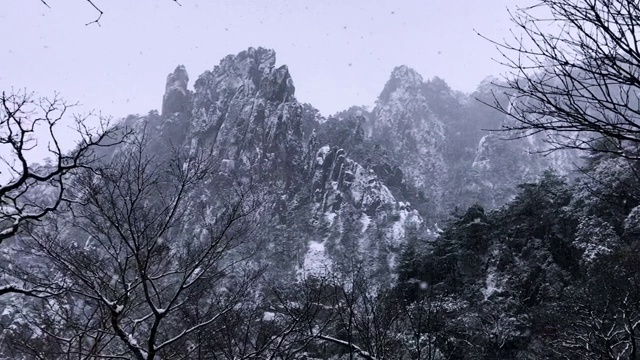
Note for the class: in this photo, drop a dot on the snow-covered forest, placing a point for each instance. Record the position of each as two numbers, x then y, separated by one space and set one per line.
237 222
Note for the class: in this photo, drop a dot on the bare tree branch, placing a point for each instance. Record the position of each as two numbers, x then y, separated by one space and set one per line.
28 193
574 75
98 9
100 13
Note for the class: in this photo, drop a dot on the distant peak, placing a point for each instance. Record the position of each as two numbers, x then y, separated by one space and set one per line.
490 81
175 91
402 78
264 57
259 58
406 75
180 69
178 79
251 71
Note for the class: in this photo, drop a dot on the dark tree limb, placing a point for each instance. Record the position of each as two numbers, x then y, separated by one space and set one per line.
100 13
98 9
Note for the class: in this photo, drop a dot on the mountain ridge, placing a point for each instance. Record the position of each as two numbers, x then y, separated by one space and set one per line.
407 163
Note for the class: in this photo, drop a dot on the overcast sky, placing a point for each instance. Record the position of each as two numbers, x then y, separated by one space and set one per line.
340 53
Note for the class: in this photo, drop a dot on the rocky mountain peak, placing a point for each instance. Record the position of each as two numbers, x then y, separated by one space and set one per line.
403 81
489 82
406 75
245 109
404 123
251 64
249 59
251 72
178 79
175 91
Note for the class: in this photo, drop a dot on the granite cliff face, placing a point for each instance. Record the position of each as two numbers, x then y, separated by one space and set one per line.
404 123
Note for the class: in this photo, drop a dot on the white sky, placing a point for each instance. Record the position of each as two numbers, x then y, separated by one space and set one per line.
339 52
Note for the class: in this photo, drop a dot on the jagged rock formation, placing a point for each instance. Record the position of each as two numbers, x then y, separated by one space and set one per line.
419 153
175 95
404 123
436 140
321 198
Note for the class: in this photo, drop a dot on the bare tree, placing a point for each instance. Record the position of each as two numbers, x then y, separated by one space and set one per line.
601 316
30 192
149 265
281 323
574 74
420 323
25 120
358 319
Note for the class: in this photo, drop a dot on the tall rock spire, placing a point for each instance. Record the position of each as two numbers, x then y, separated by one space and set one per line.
176 93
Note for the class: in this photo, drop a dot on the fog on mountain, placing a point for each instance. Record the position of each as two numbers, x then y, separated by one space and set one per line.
237 222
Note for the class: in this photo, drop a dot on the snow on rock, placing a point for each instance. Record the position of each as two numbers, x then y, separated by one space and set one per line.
316 260
500 165
491 285
7 311
365 220
337 178
330 217
632 222
405 218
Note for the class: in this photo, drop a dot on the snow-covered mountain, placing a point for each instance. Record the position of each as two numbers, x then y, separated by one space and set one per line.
358 180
